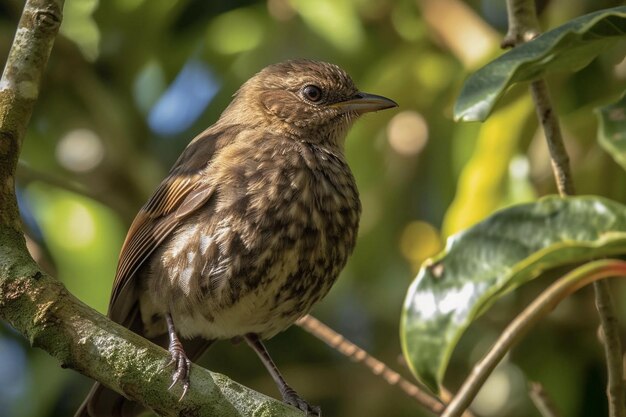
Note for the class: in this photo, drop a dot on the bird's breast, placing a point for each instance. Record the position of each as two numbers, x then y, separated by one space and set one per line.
271 243
296 210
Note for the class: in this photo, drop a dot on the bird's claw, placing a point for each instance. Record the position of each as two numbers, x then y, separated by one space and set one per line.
292 398
182 367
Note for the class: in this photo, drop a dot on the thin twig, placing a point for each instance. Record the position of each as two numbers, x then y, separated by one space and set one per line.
554 138
355 353
523 22
540 307
612 349
542 401
27 173
523 27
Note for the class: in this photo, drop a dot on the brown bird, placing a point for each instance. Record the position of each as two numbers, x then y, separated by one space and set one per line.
251 227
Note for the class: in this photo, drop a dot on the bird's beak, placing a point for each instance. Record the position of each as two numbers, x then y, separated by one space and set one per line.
364 103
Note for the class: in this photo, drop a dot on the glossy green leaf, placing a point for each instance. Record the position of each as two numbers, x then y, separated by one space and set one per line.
612 129
568 47
481 264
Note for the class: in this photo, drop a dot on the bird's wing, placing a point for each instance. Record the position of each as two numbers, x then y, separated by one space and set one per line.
180 194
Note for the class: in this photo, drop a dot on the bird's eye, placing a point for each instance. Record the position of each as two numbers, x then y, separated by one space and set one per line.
312 93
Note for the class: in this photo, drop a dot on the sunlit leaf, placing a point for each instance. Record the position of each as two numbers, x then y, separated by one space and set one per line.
612 129
568 47
482 186
481 264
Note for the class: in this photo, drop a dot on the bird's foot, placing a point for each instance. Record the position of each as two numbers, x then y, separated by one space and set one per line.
291 397
182 366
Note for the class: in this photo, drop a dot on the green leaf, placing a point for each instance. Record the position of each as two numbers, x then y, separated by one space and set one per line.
568 47
612 129
481 264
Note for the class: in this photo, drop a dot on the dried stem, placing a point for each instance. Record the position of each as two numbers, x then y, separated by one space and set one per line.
542 401
539 308
355 353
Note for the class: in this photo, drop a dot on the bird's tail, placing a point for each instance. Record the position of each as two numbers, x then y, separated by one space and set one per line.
103 402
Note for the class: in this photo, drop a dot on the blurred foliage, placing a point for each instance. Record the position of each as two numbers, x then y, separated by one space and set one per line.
130 82
612 129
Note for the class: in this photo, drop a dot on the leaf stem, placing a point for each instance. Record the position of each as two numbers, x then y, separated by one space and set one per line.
539 308
357 354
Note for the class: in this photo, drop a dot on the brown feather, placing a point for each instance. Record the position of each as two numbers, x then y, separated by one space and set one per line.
179 195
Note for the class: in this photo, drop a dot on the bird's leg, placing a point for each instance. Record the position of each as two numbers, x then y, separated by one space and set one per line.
290 396
182 364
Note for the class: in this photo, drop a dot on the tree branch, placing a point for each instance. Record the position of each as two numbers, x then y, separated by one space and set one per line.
80 338
39 306
19 89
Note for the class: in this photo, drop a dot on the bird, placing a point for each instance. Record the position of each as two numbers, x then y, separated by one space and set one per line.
250 228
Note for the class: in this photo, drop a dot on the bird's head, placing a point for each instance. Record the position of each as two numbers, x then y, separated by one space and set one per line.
310 100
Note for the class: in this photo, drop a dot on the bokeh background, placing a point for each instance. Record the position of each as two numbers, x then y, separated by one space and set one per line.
130 82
